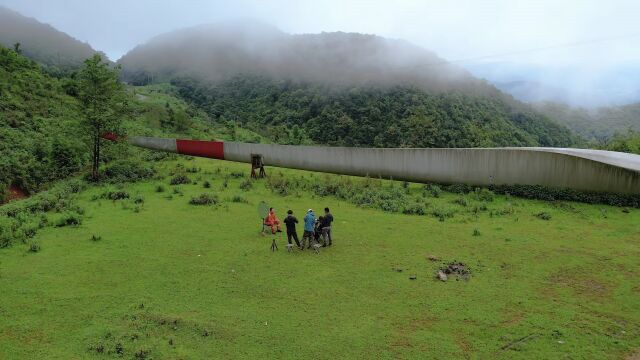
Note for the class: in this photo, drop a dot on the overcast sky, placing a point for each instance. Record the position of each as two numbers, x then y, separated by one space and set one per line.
454 29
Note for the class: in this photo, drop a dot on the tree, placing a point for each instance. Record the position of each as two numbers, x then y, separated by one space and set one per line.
103 101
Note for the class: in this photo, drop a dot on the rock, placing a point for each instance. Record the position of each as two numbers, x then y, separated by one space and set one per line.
413 277
442 276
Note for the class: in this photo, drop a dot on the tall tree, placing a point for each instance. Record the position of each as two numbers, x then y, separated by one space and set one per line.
103 100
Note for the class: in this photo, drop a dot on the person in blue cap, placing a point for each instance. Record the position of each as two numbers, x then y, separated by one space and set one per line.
309 222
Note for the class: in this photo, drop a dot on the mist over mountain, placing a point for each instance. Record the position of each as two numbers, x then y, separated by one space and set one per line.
42 43
600 86
219 51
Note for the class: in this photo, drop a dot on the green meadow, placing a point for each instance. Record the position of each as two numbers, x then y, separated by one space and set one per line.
155 277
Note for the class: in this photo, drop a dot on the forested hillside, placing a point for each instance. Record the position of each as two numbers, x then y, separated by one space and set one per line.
599 124
42 138
58 52
337 89
365 116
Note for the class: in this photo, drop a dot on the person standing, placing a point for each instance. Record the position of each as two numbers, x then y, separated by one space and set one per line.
309 222
326 227
291 222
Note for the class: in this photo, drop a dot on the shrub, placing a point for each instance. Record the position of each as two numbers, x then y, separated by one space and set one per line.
246 185
279 184
206 185
543 216
34 247
69 219
433 190
415 209
236 174
239 199
204 199
193 170
482 194
458 188
96 237
476 232
461 201
138 199
160 188
115 195
127 171
442 214
180 179
551 194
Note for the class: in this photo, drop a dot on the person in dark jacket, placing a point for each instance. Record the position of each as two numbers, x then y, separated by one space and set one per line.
317 230
326 227
291 222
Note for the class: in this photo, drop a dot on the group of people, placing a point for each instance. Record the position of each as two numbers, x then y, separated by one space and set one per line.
315 229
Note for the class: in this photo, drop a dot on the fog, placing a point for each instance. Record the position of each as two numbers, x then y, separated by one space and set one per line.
219 51
595 40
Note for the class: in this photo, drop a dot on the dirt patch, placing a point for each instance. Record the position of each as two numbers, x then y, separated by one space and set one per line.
403 334
454 269
15 193
633 356
582 284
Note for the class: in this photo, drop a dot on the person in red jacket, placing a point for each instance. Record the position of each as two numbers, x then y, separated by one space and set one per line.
272 221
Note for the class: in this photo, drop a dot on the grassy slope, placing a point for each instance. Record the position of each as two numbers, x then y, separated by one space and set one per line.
571 281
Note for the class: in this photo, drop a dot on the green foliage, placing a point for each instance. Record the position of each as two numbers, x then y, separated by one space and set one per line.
68 218
628 142
180 179
557 194
127 170
205 199
543 216
103 101
115 195
38 126
290 113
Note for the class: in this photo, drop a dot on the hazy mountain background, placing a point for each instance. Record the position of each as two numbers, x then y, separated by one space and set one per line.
56 51
219 51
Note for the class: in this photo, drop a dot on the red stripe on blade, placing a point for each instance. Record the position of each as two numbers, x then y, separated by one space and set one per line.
210 149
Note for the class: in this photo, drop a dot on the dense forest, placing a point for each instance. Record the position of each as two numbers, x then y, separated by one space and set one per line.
57 52
598 125
365 116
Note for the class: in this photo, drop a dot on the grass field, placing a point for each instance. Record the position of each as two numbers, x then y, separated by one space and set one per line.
170 280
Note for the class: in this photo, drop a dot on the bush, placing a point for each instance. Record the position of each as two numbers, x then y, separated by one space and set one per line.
180 179
96 237
476 232
204 199
160 188
34 247
246 185
239 199
461 201
433 190
543 216
552 194
482 194
236 174
415 209
458 188
127 171
69 219
279 185
206 185
138 199
115 195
